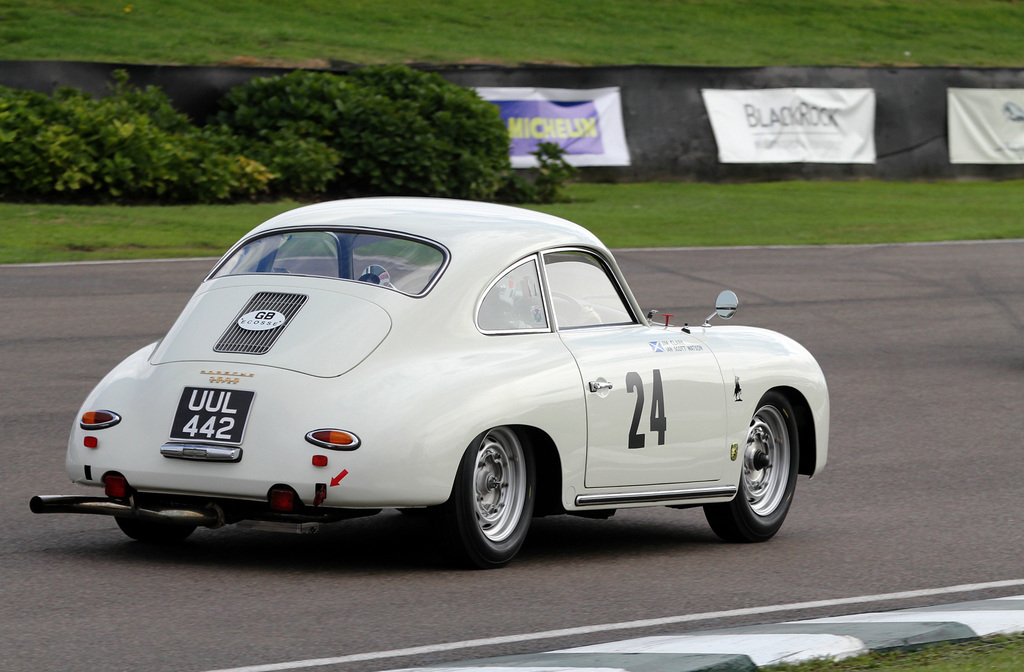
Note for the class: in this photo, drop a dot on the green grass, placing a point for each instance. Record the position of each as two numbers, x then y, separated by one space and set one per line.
624 215
795 213
992 654
579 32
47 233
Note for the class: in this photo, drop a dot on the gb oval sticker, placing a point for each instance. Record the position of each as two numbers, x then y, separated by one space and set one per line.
261 320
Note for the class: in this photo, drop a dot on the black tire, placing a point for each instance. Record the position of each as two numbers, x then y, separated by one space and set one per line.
487 516
154 533
771 458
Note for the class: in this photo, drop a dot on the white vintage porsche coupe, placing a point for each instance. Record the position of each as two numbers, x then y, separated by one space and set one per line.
485 363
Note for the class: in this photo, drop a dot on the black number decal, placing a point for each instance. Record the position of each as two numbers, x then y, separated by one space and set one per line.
635 382
659 421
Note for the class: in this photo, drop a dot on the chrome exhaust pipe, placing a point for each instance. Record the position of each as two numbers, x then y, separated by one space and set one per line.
210 516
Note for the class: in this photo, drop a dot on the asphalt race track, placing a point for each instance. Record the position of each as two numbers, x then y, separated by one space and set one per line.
923 348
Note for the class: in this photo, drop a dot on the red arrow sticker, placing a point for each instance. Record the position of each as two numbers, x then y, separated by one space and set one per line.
337 479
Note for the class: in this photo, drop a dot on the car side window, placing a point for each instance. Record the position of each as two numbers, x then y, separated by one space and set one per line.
514 303
582 292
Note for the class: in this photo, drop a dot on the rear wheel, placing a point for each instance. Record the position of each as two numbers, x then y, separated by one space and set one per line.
486 519
768 478
154 533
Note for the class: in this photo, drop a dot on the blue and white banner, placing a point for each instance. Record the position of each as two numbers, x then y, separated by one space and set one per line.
793 125
986 125
587 124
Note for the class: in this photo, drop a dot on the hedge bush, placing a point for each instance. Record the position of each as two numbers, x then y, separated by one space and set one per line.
129 146
382 130
397 131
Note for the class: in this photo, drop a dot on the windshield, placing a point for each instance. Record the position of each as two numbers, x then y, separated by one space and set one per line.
407 265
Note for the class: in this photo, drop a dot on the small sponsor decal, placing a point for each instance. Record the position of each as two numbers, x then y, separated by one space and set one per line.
738 391
261 320
674 346
734 452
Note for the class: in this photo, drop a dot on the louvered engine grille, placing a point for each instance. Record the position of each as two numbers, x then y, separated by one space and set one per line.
243 341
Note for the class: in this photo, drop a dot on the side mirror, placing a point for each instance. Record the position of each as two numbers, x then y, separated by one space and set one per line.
725 307
726 304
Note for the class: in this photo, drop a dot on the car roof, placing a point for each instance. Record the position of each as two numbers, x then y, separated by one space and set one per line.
504 231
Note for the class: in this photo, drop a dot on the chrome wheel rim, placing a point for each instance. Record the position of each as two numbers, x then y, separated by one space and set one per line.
766 461
499 484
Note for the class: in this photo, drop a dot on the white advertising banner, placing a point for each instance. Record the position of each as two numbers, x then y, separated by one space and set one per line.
793 125
586 123
986 125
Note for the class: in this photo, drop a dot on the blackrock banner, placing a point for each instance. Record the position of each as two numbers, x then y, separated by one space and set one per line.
986 125
793 125
587 124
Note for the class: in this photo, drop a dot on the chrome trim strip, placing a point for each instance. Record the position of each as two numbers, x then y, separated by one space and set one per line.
651 497
187 451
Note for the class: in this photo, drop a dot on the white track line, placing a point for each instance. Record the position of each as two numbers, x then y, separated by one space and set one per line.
933 243
110 262
627 625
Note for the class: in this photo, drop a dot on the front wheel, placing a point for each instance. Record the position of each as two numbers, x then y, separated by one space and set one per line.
488 514
768 478
154 533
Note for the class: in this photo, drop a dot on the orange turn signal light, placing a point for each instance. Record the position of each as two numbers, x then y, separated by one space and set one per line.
99 419
333 439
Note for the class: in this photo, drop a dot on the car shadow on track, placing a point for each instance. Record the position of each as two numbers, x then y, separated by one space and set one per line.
397 542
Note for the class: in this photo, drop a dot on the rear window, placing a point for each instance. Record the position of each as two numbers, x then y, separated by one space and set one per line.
407 265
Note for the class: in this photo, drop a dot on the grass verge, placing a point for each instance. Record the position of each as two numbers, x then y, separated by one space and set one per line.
580 32
796 213
991 654
623 215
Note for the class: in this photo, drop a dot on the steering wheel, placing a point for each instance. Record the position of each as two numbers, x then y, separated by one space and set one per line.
580 316
377 275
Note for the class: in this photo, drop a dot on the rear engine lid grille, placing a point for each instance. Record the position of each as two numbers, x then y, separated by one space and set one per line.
265 316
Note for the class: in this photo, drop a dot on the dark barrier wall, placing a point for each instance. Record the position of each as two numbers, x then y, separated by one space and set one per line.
667 127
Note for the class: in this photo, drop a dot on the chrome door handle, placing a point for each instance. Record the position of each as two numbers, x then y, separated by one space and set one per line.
598 385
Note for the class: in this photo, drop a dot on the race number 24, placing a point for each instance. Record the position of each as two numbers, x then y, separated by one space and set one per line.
635 384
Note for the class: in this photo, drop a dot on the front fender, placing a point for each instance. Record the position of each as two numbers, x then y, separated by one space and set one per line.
757 360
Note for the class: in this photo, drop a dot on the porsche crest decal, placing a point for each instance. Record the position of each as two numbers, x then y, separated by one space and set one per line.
226 377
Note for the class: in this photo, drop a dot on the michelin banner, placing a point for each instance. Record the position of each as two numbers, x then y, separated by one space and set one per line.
986 125
587 124
793 125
